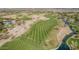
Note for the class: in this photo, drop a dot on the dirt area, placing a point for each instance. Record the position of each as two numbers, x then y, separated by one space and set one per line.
62 31
39 17
51 41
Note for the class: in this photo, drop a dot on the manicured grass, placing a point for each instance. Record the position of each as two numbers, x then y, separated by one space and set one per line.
35 38
73 42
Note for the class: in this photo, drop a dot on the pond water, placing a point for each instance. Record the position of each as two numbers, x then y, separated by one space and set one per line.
63 46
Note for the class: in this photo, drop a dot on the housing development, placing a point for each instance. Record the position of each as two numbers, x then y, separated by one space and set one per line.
39 29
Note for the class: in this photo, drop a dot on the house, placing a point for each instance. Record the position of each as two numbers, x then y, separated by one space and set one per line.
9 23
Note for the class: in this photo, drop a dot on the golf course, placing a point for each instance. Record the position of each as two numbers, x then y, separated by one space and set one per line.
35 37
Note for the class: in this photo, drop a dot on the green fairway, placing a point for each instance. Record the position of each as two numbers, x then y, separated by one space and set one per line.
35 38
